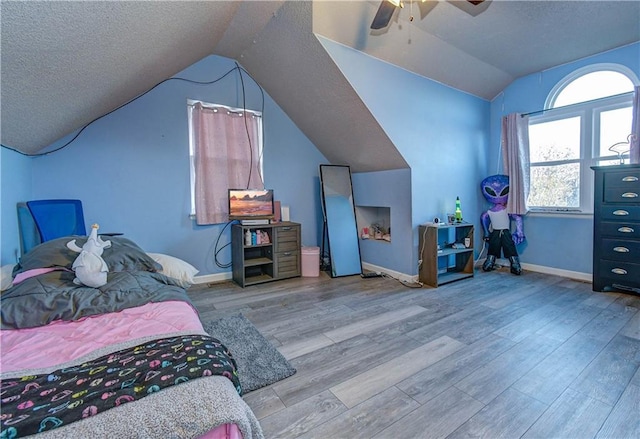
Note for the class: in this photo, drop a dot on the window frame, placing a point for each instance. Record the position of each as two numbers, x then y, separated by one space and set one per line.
192 169
557 89
589 113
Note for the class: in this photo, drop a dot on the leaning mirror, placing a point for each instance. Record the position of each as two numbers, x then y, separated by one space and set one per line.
340 220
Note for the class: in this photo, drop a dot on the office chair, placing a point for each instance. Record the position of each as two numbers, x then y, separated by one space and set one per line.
29 236
43 220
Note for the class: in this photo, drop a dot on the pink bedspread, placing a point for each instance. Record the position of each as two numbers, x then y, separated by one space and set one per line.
63 341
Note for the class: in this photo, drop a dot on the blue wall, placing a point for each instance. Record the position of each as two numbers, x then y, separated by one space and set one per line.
390 189
131 168
562 242
15 178
441 132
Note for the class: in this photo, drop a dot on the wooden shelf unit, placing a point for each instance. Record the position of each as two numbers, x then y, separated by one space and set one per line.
259 263
441 263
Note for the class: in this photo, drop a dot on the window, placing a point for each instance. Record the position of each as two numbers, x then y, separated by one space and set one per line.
229 141
591 110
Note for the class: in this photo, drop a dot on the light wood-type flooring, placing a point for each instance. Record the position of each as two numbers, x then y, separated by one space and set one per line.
495 356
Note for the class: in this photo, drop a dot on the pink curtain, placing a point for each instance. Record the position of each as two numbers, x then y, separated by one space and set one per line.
634 153
515 156
226 157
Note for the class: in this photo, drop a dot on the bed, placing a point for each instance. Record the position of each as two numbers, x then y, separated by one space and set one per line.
128 359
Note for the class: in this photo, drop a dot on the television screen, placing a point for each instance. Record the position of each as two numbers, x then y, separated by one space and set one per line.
250 203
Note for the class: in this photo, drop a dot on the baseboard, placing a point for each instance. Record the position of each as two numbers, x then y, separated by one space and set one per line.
395 274
211 278
576 275
584 277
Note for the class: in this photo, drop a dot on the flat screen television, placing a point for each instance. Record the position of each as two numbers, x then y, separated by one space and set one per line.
250 204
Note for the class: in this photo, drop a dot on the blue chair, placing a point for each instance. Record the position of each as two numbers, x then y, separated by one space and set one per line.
29 236
51 219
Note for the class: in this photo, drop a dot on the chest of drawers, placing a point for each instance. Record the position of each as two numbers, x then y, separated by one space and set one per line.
616 228
276 258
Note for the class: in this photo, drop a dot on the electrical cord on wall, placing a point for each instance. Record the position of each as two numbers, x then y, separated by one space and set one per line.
421 252
191 81
216 250
246 125
240 71
484 245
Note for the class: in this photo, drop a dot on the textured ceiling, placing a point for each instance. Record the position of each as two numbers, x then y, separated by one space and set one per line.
287 60
67 63
482 54
291 64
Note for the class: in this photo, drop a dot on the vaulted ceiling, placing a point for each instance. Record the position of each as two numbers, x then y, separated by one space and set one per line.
67 63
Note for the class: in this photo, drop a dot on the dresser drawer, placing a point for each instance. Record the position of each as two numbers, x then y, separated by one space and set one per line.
629 179
621 195
620 213
288 239
620 230
616 272
287 264
620 250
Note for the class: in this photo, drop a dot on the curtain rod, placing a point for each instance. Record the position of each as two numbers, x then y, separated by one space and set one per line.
192 103
577 103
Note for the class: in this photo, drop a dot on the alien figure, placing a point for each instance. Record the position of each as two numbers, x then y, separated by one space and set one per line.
496 223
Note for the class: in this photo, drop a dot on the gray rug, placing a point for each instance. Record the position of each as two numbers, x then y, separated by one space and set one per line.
259 362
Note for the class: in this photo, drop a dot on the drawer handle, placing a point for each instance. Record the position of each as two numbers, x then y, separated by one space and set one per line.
620 212
621 249
625 229
630 178
286 228
629 195
618 271
287 253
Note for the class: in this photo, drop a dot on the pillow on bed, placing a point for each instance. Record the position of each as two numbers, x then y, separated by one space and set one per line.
6 278
123 255
175 267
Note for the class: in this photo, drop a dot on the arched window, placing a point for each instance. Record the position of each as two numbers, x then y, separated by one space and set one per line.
590 111
590 83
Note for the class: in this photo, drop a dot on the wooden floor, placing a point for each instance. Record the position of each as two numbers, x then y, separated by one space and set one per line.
496 356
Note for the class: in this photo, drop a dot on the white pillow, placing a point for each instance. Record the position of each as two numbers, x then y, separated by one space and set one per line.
6 279
174 267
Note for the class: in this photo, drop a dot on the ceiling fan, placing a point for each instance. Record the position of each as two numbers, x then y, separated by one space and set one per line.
388 7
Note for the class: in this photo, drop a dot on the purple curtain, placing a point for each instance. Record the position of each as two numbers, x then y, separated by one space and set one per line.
226 157
634 139
515 156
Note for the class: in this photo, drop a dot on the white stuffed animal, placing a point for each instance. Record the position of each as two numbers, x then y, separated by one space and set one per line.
91 270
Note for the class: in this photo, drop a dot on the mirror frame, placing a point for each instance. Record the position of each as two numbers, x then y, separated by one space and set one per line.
339 265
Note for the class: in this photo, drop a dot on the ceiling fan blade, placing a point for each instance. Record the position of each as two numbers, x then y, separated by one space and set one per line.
471 7
425 7
383 16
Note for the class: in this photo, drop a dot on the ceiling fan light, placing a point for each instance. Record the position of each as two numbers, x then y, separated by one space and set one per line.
396 3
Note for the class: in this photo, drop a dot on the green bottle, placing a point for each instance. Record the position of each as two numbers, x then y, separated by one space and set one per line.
458 210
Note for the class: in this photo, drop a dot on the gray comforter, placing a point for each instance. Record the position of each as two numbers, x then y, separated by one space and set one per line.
39 300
